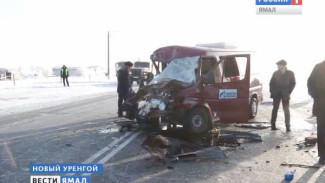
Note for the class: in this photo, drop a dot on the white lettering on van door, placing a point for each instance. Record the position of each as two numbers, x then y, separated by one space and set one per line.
227 93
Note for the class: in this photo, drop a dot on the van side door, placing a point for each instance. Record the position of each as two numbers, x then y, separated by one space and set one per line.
228 96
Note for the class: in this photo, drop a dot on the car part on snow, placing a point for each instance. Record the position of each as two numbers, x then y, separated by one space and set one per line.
129 125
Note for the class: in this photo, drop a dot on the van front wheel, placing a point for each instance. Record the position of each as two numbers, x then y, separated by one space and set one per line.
197 121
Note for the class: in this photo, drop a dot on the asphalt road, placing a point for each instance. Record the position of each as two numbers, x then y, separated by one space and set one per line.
85 132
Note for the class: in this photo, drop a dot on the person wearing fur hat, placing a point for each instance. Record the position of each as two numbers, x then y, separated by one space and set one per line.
281 86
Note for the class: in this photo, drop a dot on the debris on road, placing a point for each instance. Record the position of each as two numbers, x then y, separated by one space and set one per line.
127 124
311 140
254 125
204 154
299 165
160 146
228 140
156 145
62 129
248 136
179 146
301 145
170 168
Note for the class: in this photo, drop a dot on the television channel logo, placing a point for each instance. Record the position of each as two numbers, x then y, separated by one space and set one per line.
278 7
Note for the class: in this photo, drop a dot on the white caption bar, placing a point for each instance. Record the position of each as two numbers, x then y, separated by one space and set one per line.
279 10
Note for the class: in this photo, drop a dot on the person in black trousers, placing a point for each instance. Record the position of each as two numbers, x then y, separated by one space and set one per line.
65 75
281 85
123 85
316 88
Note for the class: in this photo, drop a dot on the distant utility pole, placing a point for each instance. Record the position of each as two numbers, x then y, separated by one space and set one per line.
108 55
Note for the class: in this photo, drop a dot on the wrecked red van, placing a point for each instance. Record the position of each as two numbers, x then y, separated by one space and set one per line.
196 86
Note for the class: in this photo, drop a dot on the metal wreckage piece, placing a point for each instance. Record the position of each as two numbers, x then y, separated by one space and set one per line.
154 101
247 136
179 146
253 125
163 148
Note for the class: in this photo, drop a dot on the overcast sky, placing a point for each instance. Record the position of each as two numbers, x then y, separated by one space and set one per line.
74 32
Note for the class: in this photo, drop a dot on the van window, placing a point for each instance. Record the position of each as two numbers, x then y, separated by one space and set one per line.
209 70
242 65
218 74
234 68
207 64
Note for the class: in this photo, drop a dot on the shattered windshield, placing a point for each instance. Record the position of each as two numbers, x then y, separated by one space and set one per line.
181 69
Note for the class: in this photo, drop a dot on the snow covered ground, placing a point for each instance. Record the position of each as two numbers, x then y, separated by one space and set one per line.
36 93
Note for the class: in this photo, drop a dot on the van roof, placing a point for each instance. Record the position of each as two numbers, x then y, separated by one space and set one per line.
168 53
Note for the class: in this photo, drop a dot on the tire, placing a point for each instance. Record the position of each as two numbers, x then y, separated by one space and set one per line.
197 121
253 107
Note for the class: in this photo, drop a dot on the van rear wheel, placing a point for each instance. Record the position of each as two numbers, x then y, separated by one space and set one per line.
197 121
253 106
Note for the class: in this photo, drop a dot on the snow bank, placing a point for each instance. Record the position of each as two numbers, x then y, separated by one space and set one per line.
37 93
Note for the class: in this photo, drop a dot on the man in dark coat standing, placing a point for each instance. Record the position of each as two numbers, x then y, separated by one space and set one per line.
316 88
123 85
64 75
281 85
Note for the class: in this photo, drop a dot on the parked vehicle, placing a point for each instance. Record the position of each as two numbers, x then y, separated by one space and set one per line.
141 72
5 74
197 86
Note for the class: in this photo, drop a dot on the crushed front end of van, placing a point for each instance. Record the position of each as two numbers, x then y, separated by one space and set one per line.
194 87
171 95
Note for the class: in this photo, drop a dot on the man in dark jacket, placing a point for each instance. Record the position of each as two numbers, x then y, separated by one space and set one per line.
281 85
64 75
316 88
123 85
